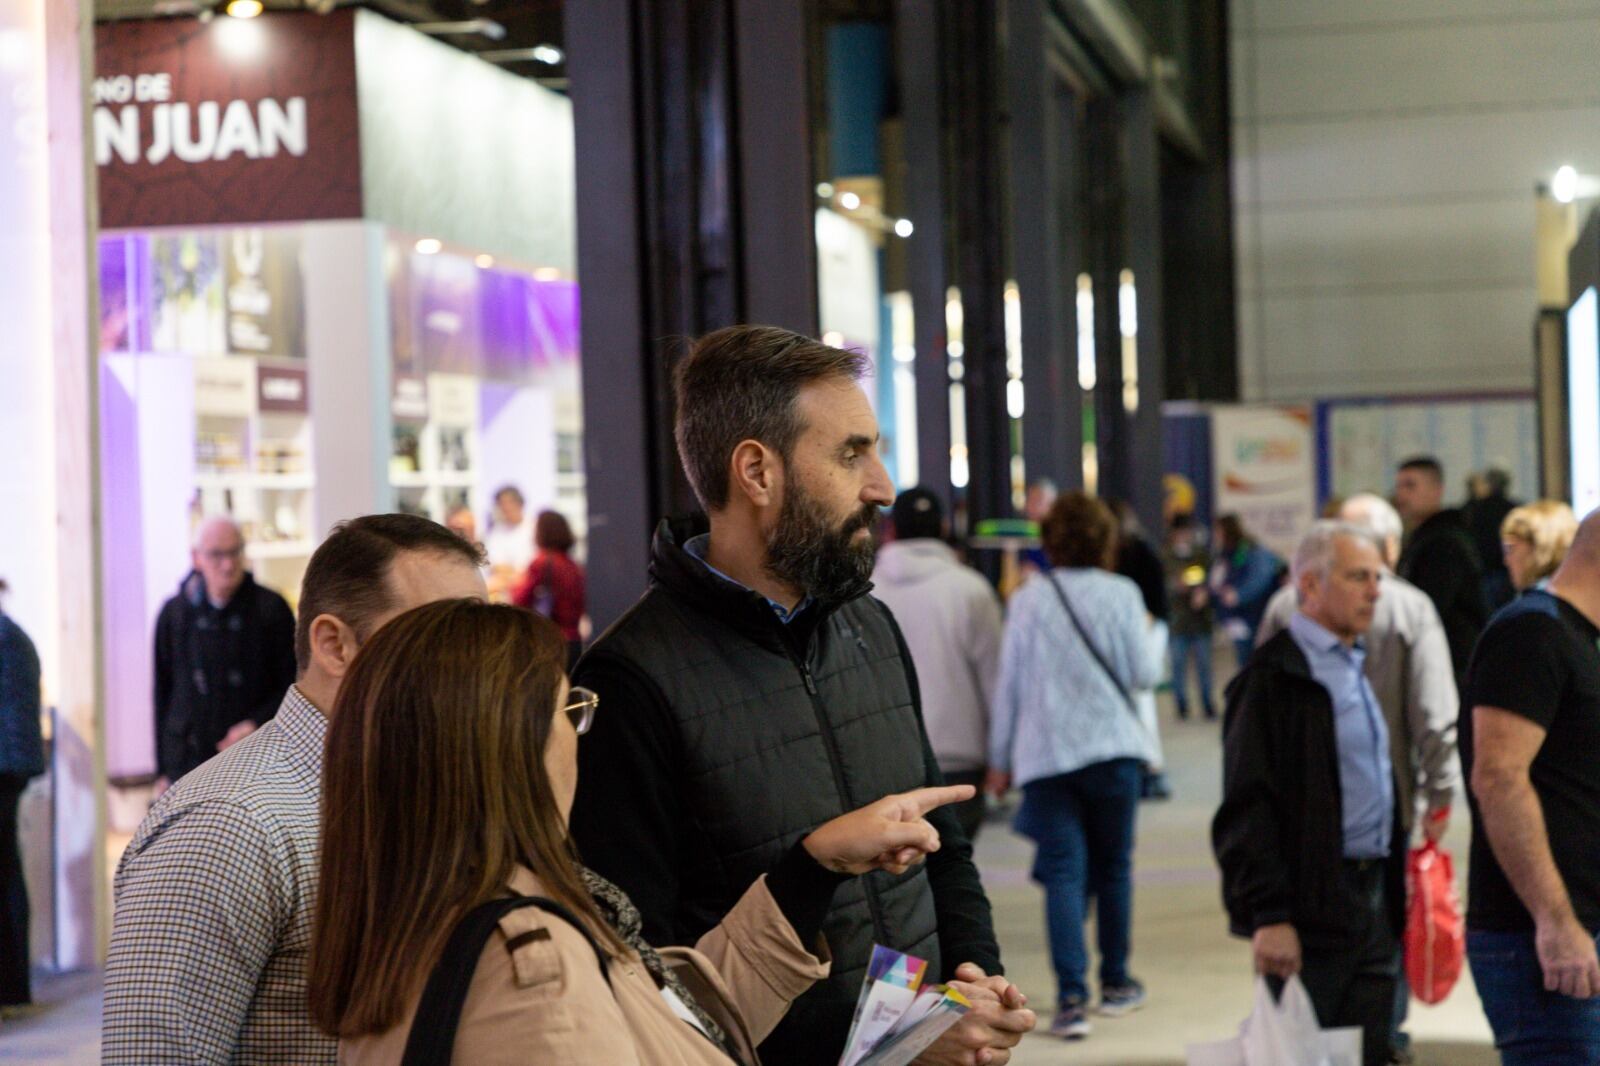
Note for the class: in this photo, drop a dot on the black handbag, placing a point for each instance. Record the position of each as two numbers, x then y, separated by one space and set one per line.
433 1030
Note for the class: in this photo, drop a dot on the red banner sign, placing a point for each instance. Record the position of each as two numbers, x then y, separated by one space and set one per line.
227 121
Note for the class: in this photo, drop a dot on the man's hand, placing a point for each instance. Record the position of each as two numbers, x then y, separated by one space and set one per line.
1435 825
986 1034
997 783
890 834
1277 950
1229 597
239 731
1567 956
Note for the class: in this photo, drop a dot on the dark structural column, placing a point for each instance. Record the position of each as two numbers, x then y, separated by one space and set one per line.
1145 457
971 68
1126 217
917 29
694 212
1043 252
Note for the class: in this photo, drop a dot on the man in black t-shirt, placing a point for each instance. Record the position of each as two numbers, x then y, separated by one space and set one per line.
1529 744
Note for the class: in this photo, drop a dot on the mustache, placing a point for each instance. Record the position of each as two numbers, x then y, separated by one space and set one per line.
862 519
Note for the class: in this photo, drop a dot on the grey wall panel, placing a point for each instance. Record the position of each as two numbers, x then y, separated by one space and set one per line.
1323 15
1444 66
1386 160
1396 342
1422 246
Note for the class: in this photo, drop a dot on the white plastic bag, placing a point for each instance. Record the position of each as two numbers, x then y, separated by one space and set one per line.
1287 1033
1282 1032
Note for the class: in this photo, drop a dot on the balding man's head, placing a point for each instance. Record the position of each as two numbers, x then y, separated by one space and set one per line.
1583 558
1376 516
218 554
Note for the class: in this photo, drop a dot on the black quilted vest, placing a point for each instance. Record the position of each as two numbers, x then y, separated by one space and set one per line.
784 728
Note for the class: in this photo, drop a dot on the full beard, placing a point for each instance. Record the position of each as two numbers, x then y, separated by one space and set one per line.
806 550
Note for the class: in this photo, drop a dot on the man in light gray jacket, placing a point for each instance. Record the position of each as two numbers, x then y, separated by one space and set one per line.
1409 665
950 617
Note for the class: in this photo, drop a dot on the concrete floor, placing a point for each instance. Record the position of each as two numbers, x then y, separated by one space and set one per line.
1198 978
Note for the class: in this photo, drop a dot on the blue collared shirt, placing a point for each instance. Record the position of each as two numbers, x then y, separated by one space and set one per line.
698 546
1366 776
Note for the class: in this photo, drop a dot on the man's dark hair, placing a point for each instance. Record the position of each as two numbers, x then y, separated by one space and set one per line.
1181 521
741 383
348 576
1080 530
1498 480
509 490
917 514
1427 464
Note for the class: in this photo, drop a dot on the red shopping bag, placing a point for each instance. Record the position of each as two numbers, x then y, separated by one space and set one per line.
1436 937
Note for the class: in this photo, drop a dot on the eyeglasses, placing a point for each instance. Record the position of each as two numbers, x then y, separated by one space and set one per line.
580 708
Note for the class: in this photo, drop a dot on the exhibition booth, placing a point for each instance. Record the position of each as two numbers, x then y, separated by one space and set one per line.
336 277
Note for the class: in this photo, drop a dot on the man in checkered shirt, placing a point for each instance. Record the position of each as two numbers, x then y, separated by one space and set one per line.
214 896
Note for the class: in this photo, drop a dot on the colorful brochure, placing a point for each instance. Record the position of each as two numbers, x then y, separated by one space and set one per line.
893 1022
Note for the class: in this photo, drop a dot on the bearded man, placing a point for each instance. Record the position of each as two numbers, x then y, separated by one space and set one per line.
757 691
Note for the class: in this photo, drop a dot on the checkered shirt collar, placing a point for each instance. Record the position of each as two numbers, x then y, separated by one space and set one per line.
305 727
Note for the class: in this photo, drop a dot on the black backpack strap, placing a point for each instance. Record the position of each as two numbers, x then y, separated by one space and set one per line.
433 1030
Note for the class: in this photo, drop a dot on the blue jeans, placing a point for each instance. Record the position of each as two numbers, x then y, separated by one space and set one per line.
1183 647
1083 823
1532 1027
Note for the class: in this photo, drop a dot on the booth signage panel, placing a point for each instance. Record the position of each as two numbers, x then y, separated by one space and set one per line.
263 291
453 399
410 400
225 387
1262 465
234 120
284 390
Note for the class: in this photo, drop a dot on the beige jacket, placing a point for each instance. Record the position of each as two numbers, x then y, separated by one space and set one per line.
548 1002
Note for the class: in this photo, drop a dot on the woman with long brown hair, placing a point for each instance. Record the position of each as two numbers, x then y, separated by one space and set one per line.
450 772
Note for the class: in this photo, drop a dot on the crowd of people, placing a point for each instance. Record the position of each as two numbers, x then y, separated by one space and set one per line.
423 819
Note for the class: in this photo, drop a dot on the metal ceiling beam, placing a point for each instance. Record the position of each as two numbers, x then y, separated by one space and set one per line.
1101 45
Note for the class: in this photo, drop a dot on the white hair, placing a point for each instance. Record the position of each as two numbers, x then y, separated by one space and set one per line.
1374 514
1314 555
213 522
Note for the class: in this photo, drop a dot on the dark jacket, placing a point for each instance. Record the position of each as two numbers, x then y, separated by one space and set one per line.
21 743
1139 562
1253 572
1440 559
1187 575
1483 519
724 736
1279 834
217 667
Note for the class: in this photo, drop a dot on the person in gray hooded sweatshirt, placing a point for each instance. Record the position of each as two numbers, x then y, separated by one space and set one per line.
950 617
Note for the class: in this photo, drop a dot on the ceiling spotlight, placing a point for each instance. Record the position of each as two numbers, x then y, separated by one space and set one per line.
244 9
825 190
903 227
1564 186
548 54
849 201
485 261
429 246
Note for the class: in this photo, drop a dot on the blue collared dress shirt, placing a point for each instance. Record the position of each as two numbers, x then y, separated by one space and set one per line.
1366 775
699 546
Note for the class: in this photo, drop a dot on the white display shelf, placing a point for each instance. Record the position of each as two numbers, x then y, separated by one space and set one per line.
244 479
281 549
410 481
